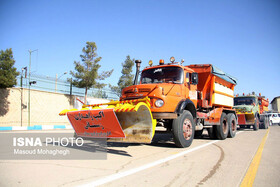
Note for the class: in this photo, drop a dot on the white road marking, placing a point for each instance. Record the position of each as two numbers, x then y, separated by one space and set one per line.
119 175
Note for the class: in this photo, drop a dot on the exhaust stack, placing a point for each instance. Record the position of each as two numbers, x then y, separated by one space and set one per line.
138 63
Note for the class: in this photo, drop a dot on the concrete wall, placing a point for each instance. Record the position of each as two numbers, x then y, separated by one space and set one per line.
44 107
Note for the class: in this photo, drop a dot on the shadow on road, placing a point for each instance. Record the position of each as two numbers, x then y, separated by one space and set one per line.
161 139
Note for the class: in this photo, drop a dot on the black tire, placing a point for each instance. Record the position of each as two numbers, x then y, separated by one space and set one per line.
232 124
212 132
183 129
266 123
198 133
256 126
262 125
223 128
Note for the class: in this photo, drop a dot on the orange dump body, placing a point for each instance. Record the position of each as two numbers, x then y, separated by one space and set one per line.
213 91
263 104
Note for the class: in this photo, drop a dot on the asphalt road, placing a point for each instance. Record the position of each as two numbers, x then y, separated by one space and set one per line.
205 163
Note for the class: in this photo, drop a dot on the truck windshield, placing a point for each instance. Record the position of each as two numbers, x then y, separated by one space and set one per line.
244 101
163 75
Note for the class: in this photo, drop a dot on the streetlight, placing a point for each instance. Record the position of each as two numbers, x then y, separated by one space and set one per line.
29 84
58 78
21 77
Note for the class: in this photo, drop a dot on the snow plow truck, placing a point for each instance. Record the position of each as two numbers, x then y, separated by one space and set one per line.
183 99
251 110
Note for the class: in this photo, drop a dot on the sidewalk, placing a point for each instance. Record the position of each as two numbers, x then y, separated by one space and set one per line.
36 127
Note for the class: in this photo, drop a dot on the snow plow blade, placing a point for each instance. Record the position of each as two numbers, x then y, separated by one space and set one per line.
119 121
246 119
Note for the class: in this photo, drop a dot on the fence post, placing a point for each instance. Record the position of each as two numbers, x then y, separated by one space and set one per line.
71 87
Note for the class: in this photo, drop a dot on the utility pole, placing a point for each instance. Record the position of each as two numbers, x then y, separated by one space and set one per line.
29 84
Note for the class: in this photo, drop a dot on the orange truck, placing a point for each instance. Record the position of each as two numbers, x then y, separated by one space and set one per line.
251 111
184 99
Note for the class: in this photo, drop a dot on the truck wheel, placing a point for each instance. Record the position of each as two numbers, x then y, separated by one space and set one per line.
223 128
231 119
266 124
183 129
256 126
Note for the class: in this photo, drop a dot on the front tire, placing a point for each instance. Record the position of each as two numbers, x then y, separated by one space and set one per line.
183 129
256 126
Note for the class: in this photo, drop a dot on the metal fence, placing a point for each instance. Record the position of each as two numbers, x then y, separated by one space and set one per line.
53 84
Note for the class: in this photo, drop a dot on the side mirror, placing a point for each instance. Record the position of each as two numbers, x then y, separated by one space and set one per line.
194 78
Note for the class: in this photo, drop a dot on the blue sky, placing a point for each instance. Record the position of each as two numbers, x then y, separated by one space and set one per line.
241 37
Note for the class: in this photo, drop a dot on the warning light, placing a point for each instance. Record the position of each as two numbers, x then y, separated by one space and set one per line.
161 62
150 62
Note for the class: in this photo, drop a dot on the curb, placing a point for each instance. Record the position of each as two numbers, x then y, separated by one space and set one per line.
36 127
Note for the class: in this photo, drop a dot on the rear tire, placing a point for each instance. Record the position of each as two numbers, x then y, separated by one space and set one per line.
183 129
256 126
231 119
266 123
223 128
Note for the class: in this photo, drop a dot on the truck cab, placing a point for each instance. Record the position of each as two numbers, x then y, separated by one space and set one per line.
167 86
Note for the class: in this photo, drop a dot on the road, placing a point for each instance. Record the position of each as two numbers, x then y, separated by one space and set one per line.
205 163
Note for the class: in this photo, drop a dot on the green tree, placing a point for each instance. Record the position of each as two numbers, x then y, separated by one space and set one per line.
100 94
8 73
86 73
127 78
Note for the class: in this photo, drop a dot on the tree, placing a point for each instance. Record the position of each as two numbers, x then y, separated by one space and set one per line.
127 78
100 94
8 73
86 74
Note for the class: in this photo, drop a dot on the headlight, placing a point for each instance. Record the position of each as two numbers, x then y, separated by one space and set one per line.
159 103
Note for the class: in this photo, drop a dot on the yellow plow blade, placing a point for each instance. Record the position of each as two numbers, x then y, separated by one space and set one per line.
133 118
138 125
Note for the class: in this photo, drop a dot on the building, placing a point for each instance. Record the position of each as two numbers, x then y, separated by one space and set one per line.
275 104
